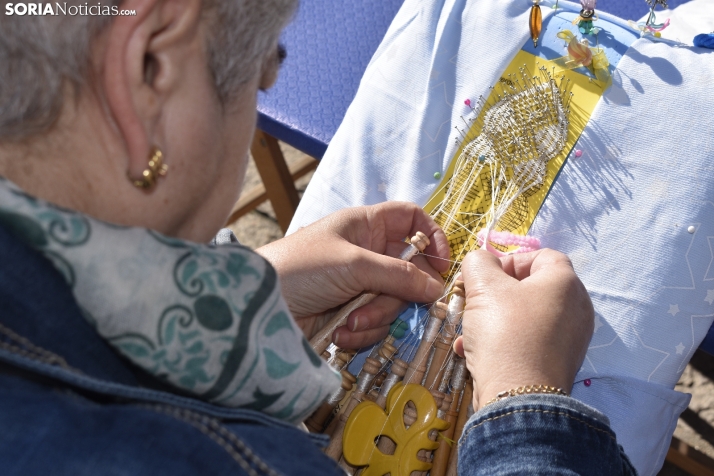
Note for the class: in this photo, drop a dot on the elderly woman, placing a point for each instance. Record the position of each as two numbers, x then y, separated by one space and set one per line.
126 347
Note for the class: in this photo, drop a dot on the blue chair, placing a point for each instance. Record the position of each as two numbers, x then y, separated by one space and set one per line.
329 45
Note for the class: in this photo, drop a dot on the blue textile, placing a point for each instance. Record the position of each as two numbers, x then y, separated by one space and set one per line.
705 40
544 434
70 405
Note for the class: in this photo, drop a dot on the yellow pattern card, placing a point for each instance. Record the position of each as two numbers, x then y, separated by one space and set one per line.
516 142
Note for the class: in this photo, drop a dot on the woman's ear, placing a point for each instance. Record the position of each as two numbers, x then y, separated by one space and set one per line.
143 59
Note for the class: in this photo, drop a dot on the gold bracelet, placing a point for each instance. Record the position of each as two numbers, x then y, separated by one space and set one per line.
528 389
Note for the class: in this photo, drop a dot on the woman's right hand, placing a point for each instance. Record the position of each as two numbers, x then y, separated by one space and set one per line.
528 321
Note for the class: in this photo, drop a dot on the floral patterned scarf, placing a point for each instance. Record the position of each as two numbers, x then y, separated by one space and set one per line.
209 320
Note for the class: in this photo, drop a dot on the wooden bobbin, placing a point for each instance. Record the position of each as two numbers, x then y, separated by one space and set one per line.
375 352
451 414
379 379
438 397
316 422
444 385
443 344
417 367
382 354
369 371
445 406
458 288
371 396
434 435
457 302
386 352
396 374
423 455
340 358
436 369
321 340
465 411
419 242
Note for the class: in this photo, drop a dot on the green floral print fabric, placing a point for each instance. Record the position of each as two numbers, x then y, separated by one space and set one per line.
208 320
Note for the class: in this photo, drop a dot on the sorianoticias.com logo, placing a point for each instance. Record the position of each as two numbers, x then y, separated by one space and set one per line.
61 8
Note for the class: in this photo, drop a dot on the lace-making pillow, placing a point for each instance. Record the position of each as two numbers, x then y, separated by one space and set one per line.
633 205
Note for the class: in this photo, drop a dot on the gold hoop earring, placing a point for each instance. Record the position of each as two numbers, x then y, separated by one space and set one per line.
157 168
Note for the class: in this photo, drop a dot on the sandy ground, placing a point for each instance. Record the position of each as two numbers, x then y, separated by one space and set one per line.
695 426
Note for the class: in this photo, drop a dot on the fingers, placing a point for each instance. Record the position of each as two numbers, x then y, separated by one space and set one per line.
523 265
392 276
380 312
459 346
422 262
548 258
346 339
401 220
481 270
431 264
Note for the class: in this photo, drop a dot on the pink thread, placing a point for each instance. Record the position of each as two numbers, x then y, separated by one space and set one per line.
660 28
468 102
578 153
525 244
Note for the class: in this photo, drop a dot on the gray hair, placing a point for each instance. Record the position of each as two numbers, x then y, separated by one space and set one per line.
41 55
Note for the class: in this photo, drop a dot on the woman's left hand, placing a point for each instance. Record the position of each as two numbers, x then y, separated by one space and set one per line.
324 265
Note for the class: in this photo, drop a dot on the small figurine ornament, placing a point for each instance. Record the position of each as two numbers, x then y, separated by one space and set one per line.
587 16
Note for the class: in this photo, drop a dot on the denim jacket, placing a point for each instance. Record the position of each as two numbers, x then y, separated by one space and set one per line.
541 434
70 405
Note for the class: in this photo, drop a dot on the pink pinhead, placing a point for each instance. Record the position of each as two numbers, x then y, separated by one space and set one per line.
578 153
468 102
587 382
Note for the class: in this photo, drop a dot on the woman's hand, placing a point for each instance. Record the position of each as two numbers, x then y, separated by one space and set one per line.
528 321
324 265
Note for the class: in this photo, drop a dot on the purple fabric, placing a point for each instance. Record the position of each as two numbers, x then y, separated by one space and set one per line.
588 4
